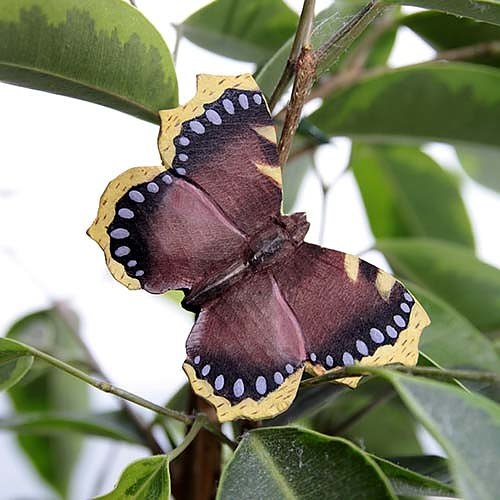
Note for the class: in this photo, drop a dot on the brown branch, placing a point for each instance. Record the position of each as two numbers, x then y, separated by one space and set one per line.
302 39
305 70
134 418
350 30
307 65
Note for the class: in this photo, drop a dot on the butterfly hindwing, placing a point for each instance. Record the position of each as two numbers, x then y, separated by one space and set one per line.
350 311
246 352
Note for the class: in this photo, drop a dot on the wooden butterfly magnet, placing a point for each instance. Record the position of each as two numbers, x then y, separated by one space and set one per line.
268 305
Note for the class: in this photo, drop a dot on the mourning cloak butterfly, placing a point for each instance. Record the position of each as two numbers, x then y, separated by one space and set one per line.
267 304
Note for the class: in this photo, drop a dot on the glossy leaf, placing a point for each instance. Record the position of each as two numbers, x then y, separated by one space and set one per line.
432 466
145 479
15 362
454 102
113 425
373 417
451 340
46 390
451 272
409 483
104 52
406 193
481 10
326 23
284 462
482 164
444 32
308 402
466 425
247 31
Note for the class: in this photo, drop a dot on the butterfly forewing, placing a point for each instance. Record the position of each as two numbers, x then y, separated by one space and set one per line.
228 148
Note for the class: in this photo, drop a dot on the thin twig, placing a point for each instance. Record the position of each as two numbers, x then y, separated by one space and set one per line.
302 39
324 199
307 64
350 30
135 419
346 78
199 423
122 393
346 424
351 371
132 2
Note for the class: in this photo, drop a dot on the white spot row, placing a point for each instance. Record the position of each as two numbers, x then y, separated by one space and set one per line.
126 213
376 335
239 385
213 117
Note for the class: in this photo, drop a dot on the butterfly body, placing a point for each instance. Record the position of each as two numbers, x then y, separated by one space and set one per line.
268 305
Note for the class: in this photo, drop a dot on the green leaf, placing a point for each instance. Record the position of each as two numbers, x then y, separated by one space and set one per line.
406 193
409 483
428 102
15 362
482 164
308 401
358 414
247 31
466 425
145 479
451 272
113 425
326 23
46 390
444 32
104 52
481 10
432 466
451 340
287 463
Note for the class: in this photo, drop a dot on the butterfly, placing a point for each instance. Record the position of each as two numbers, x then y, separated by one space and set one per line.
268 305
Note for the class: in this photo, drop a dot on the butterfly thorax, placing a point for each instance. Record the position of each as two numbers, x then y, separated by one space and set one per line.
269 247
277 241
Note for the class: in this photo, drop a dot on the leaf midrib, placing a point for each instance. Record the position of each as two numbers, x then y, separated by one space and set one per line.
268 462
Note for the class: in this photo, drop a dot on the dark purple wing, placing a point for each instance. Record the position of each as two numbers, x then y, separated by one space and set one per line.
161 232
349 311
224 141
246 352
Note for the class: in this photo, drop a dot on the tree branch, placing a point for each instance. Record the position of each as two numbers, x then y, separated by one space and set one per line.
357 371
302 39
307 64
135 419
122 393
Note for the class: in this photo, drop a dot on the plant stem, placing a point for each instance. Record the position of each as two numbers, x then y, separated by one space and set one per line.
198 424
132 2
122 393
135 419
350 31
350 371
349 77
302 39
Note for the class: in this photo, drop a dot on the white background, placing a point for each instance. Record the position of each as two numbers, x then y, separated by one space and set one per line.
57 155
